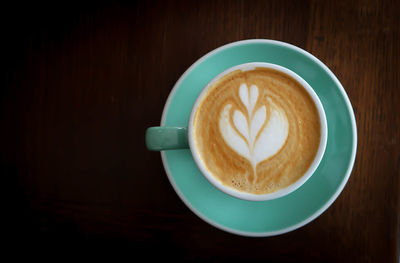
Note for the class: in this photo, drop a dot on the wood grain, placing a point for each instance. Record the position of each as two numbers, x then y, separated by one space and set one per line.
82 82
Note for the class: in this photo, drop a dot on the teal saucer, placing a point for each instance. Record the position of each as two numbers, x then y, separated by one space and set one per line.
265 218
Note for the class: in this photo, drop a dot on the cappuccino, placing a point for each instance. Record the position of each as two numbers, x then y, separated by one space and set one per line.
257 131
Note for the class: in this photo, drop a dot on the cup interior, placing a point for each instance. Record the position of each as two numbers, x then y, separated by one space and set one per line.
281 192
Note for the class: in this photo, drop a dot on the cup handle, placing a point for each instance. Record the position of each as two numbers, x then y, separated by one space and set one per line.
166 138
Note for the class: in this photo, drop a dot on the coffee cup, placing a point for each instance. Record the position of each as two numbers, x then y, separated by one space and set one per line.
257 132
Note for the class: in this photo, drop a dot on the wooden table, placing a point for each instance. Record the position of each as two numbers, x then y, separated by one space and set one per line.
82 82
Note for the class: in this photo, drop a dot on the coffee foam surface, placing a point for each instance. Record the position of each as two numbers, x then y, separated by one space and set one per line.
257 131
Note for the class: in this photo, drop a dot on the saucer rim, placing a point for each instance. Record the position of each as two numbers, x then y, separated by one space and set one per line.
317 212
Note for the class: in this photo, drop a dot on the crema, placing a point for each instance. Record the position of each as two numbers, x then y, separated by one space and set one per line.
257 131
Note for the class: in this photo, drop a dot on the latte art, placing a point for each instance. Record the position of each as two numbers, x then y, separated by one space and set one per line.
252 135
256 131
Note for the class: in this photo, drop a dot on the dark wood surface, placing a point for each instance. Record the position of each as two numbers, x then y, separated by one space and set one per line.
81 83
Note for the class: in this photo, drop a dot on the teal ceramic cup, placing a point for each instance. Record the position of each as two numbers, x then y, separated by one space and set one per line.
280 215
171 138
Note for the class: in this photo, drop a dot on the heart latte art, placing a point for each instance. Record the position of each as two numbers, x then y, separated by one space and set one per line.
252 135
257 131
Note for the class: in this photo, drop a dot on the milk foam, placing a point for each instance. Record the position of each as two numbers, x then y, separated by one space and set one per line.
257 131
252 135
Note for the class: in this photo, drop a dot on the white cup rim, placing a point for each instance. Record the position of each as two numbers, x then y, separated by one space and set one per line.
281 192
